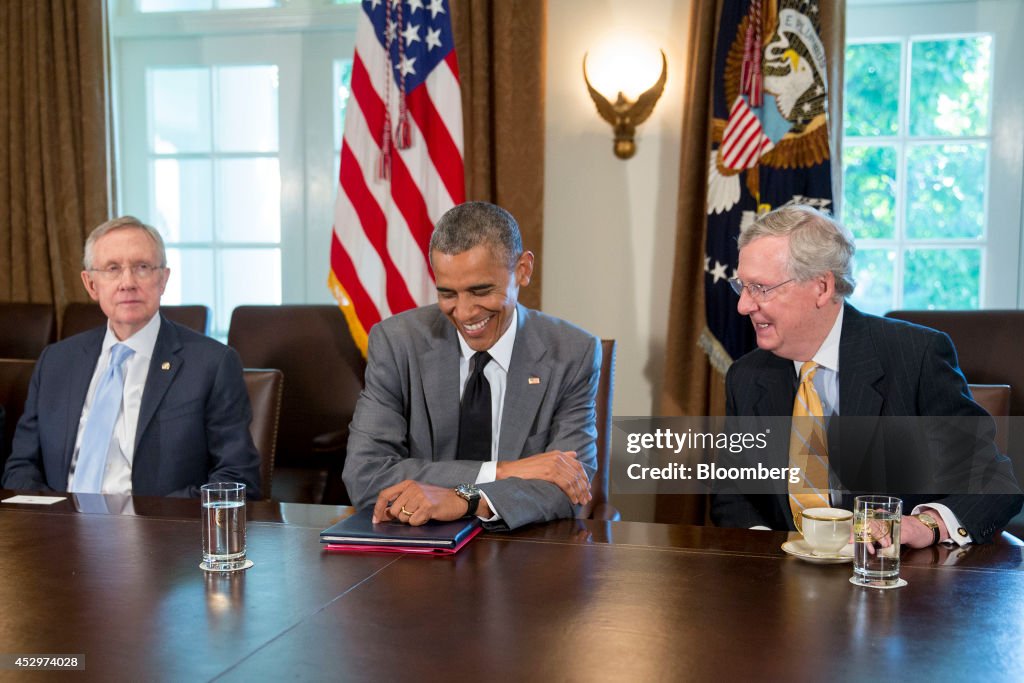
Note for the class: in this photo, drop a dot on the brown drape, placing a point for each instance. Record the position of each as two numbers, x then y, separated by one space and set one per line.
54 166
501 66
692 386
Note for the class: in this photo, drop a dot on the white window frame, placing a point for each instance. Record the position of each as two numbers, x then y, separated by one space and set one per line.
1002 261
304 39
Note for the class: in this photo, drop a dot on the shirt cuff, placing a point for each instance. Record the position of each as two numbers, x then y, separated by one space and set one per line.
488 473
949 519
493 518
759 527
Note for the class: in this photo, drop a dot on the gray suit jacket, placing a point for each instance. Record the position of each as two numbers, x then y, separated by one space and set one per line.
406 423
887 369
193 421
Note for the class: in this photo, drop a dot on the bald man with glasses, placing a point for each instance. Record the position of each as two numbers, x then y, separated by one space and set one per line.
819 357
141 405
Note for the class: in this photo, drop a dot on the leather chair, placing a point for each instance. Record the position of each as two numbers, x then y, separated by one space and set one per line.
264 387
995 399
25 329
15 375
599 507
323 370
987 344
80 317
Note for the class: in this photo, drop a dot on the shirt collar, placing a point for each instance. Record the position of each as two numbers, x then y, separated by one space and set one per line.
827 355
142 342
501 352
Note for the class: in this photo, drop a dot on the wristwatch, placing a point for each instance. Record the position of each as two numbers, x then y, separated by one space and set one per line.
472 496
930 522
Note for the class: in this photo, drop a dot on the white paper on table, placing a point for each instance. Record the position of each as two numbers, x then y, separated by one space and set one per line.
34 500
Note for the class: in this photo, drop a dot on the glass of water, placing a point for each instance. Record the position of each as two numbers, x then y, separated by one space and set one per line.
223 527
876 541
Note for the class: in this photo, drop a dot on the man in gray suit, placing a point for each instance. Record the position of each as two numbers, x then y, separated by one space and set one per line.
794 274
475 405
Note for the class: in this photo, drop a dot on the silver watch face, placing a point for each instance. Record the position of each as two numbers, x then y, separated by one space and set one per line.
466 491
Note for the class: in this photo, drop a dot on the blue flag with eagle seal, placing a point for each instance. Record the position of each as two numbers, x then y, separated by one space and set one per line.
769 144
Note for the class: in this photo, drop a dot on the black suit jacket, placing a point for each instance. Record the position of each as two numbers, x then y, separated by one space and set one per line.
193 421
887 369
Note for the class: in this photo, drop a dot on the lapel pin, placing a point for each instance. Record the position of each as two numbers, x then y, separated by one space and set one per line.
533 380
165 366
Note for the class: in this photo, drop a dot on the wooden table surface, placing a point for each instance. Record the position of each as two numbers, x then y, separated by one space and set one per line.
572 600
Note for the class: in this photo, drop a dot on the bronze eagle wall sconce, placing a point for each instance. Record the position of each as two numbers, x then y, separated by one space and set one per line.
625 115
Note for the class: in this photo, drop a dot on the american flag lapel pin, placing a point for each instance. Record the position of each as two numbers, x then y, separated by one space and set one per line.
533 380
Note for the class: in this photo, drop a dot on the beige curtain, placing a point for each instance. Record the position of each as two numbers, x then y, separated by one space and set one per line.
54 162
692 386
501 66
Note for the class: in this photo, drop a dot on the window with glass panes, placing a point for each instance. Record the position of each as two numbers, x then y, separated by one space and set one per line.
917 139
933 153
228 127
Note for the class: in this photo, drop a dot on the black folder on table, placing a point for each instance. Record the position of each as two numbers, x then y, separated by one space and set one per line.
359 533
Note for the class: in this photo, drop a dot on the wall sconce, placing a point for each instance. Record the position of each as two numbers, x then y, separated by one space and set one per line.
620 72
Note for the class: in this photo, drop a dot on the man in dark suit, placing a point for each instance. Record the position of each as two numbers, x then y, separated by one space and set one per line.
141 405
419 450
793 277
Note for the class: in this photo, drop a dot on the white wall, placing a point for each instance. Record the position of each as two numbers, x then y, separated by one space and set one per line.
609 224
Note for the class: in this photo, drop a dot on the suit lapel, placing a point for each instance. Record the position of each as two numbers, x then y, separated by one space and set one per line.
776 385
166 354
529 377
440 381
860 403
859 369
78 387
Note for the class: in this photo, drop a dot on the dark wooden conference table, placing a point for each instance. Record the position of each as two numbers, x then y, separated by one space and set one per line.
572 600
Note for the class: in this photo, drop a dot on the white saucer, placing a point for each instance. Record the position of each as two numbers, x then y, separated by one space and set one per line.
799 548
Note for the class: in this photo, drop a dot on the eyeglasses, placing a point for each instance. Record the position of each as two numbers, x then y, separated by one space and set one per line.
141 271
757 292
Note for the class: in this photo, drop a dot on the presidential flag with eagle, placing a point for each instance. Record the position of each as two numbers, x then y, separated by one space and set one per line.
770 144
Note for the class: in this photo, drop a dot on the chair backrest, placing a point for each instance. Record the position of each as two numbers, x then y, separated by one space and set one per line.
264 387
323 369
987 345
15 376
995 399
599 507
25 329
80 317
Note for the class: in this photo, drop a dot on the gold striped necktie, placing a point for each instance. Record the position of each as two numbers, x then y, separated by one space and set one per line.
808 447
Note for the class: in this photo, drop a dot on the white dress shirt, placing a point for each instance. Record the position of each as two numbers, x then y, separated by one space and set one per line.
117 478
496 372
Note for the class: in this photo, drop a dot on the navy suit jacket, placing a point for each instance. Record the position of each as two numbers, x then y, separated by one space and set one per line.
193 421
887 369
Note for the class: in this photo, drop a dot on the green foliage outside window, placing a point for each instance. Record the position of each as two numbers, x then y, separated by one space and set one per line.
872 94
905 188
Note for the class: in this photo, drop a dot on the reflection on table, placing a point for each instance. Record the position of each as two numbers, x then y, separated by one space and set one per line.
571 600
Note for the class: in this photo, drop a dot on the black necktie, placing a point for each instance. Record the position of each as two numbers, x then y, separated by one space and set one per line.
475 413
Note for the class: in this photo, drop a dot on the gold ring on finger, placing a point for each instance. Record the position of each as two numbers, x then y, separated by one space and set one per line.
405 512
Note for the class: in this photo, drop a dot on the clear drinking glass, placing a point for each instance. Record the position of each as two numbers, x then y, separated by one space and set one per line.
876 541
223 527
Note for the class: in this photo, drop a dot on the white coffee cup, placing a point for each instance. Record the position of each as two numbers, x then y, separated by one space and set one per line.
826 530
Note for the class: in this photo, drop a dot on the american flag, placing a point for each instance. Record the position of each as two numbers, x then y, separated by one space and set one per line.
401 160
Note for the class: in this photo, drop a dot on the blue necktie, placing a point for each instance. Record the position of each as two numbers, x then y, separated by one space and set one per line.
106 404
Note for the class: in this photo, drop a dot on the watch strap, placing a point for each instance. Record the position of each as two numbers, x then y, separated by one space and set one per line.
471 495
